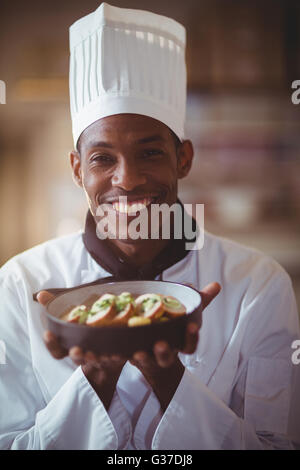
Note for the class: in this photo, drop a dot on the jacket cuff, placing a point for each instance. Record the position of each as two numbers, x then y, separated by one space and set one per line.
120 420
148 419
197 419
75 418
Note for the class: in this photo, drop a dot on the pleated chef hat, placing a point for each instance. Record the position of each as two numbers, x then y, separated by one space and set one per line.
127 61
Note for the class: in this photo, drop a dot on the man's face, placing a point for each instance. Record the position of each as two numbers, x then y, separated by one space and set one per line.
129 155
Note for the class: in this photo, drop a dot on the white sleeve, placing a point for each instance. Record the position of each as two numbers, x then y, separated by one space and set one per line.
74 418
264 388
197 419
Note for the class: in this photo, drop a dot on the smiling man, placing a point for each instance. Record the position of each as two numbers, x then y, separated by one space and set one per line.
233 385
133 158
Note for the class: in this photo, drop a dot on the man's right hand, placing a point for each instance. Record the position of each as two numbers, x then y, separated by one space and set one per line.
101 371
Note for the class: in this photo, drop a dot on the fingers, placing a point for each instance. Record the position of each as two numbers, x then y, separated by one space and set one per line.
77 356
43 297
141 358
50 340
209 292
102 362
144 362
191 338
85 358
75 353
80 357
164 354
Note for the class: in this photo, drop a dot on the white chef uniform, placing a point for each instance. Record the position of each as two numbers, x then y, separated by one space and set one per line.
238 389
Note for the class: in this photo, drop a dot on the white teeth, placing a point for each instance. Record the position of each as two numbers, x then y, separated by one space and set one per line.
131 207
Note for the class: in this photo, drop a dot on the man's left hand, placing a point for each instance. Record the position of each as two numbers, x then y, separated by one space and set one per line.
163 369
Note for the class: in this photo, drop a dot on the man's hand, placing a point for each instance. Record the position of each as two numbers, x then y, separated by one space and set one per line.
101 371
163 369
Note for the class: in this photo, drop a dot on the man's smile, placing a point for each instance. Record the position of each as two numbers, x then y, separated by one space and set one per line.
131 207
131 204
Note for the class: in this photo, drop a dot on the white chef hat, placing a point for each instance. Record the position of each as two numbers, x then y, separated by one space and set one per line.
127 61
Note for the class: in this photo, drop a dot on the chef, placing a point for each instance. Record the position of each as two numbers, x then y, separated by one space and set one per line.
233 385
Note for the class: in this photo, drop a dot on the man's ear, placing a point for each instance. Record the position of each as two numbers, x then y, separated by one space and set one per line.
185 154
76 167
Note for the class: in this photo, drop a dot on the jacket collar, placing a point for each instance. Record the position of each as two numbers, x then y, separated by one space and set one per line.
120 267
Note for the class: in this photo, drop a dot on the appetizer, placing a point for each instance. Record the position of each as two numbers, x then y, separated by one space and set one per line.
126 310
172 306
78 314
150 305
102 311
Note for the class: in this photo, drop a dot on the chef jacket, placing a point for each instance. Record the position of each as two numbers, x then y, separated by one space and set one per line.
238 391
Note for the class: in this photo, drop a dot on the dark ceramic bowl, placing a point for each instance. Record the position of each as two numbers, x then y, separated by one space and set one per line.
123 339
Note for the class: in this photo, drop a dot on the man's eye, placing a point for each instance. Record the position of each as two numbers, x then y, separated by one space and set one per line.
104 159
152 153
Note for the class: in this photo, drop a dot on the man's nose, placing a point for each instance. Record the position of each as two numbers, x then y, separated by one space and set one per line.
128 176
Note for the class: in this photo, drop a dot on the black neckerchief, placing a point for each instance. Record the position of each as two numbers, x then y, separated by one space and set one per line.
120 268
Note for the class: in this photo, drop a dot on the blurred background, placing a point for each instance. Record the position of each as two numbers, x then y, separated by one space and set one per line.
242 57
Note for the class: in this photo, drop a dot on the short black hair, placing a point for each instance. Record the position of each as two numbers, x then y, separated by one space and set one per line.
78 144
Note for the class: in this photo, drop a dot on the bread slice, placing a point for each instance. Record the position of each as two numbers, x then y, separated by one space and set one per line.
104 301
173 307
124 315
77 313
102 311
149 306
